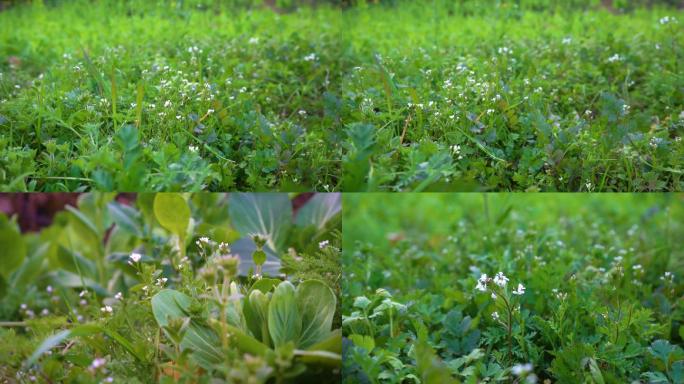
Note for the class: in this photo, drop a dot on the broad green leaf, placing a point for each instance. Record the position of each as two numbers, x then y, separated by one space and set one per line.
202 340
268 215
126 218
13 247
82 226
172 212
75 262
284 319
31 267
319 210
81 331
316 303
333 343
247 343
255 309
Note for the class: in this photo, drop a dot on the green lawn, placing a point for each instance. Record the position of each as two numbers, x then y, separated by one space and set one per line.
143 95
415 96
445 97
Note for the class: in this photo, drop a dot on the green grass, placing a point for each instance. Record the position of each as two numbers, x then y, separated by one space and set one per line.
602 278
143 95
490 97
416 96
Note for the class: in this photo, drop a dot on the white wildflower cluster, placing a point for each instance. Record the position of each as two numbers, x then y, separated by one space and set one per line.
500 280
615 58
524 371
456 151
668 20
323 244
668 277
655 142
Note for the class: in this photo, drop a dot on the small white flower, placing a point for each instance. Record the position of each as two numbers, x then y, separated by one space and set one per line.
614 58
482 283
83 293
119 296
193 148
302 112
493 295
521 369
520 290
106 309
567 40
98 363
495 315
167 104
501 280
135 257
323 244
162 281
49 289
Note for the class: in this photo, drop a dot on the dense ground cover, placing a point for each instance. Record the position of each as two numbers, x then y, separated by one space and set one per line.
396 96
165 95
463 95
445 288
192 288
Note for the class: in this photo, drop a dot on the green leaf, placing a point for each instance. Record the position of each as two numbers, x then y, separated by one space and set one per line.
126 218
319 210
31 267
595 372
364 341
72 280
13 247
172 212
264 214
199 338
75 262
316 302
259 257
83 227
265 284
661 349
319 357
247 343
255 309
81 331
284 320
